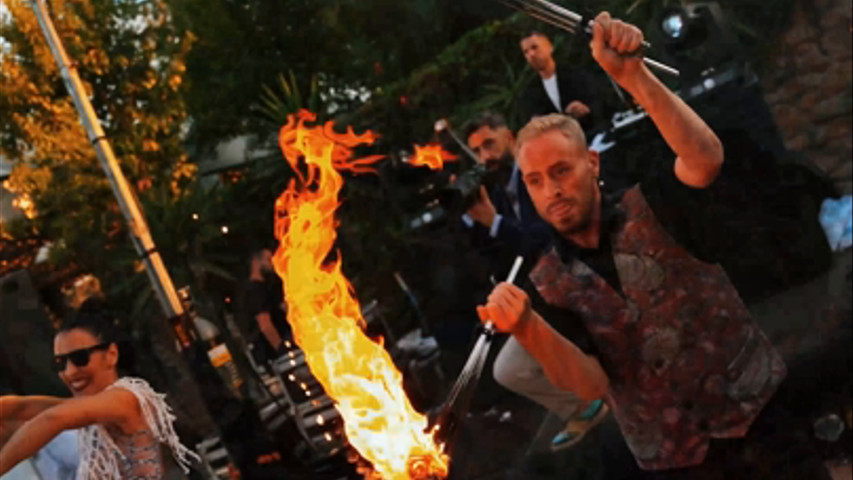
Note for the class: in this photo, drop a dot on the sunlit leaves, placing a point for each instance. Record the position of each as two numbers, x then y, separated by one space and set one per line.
131 61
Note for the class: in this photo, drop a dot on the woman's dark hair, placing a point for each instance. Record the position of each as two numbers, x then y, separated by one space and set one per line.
94 317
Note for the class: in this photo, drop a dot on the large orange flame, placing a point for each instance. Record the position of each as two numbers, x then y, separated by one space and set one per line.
432 156
379 421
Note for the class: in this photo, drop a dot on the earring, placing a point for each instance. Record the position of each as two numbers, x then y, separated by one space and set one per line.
600 182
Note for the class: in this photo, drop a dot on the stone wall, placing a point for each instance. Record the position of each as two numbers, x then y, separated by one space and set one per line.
808 83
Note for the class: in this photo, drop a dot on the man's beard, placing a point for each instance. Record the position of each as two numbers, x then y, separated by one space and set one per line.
582 224
585 214
499 171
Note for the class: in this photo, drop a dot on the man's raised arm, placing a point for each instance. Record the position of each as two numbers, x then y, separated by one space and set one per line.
698 150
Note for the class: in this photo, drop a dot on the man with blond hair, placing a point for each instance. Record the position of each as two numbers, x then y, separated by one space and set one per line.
510 218
678 356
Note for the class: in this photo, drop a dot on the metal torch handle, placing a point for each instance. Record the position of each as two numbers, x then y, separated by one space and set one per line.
661 67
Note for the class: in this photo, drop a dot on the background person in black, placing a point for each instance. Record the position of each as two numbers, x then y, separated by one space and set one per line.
557 89
261 309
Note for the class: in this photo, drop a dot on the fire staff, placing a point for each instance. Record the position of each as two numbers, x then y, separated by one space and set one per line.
679 358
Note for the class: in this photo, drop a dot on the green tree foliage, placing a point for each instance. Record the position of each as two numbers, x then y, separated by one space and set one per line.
131 61
243 46
412 62
349 46
286 99
483 67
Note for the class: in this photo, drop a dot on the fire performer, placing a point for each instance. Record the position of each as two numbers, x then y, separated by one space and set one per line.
509 217
122 421
679 358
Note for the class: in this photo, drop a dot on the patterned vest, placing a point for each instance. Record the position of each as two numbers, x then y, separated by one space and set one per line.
686 361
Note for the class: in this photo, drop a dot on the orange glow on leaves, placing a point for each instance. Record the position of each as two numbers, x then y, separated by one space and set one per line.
379 421
432 156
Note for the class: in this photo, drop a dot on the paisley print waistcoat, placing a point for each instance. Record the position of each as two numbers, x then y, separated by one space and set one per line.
686 361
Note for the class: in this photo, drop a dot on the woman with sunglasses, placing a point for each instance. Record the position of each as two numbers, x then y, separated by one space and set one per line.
122 421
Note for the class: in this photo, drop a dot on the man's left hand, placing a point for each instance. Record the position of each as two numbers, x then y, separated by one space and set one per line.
483 211
577 109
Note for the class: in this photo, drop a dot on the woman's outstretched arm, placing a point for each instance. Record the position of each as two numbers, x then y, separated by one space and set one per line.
16 410
115 406
23 408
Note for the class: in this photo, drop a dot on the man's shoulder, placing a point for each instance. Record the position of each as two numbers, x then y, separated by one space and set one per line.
570 71
252 294
616 196
252 286
665 192
534 90
575 79
563 68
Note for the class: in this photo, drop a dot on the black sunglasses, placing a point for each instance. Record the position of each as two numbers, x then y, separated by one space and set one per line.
80 358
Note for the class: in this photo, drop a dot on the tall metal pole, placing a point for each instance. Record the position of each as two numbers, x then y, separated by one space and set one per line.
161 282
139 233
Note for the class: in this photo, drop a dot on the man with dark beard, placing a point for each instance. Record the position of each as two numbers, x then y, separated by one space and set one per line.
503 219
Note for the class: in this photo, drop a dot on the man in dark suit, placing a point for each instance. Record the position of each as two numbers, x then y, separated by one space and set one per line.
558 89
503 221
